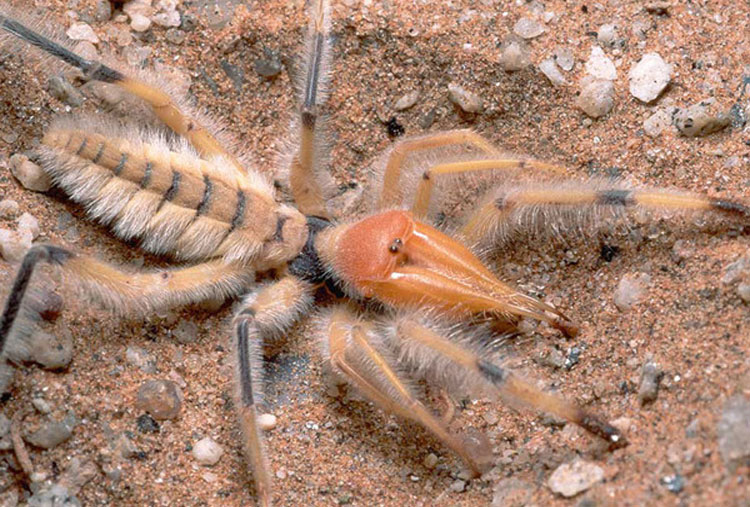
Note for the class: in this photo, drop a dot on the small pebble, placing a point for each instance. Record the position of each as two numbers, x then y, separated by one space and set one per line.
186 332
549 69
406 101
52 496
175 36
564 58
207 452
458 486
743 290
623 424
103 10
733 430
269 66
597 97
649 77
29 174
14 244
160 398
657 122
631 290
514 54
430 461
267 422
140 358
139 22
599 65
209 477
674 483
736 271
59 87
651 376
53 433
147 424
9 208
41 405
168 19
528 28
281 474
27 222
468 102
607 35
82 31
52 352
569 479
697 120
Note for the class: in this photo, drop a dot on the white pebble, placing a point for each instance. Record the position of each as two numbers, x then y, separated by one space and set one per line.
267 421
630 290
139 22
468 102
657 122
29 174
14 244
600 66
514 55
528 28
27 222
606 34
82 31
8 208
564 58
597 97
649 77
549 69
207 452
569 479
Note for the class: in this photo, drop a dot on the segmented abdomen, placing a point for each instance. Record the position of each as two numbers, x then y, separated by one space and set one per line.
172 201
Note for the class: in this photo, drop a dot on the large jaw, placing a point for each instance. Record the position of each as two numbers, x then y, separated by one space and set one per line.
405 263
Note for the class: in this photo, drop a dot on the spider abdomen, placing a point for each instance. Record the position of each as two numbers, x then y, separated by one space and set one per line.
171 200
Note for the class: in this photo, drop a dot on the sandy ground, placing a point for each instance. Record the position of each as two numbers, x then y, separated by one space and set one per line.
327 451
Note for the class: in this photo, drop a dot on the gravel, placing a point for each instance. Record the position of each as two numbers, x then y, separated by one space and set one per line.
468 102
549 68
267 421
564 58
139 23
733 431
651 376
597 97
53 433
569 479
27 222
29 174
631 290
514 54
52 352
657 122
406 100
82 31
140 358
697 120
649 77
9 208
600 66
528 28
14 244
186 332
207 452
430 461
53 496
160 398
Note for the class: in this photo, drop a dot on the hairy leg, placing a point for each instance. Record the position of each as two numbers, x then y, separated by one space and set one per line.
264 314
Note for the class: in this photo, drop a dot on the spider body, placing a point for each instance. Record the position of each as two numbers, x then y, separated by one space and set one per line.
170 184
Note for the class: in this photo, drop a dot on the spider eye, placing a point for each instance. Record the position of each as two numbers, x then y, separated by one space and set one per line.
396 245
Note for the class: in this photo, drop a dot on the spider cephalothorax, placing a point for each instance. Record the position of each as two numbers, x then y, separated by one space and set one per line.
170 184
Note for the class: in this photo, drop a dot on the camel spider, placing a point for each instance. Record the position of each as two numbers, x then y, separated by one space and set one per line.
410 299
